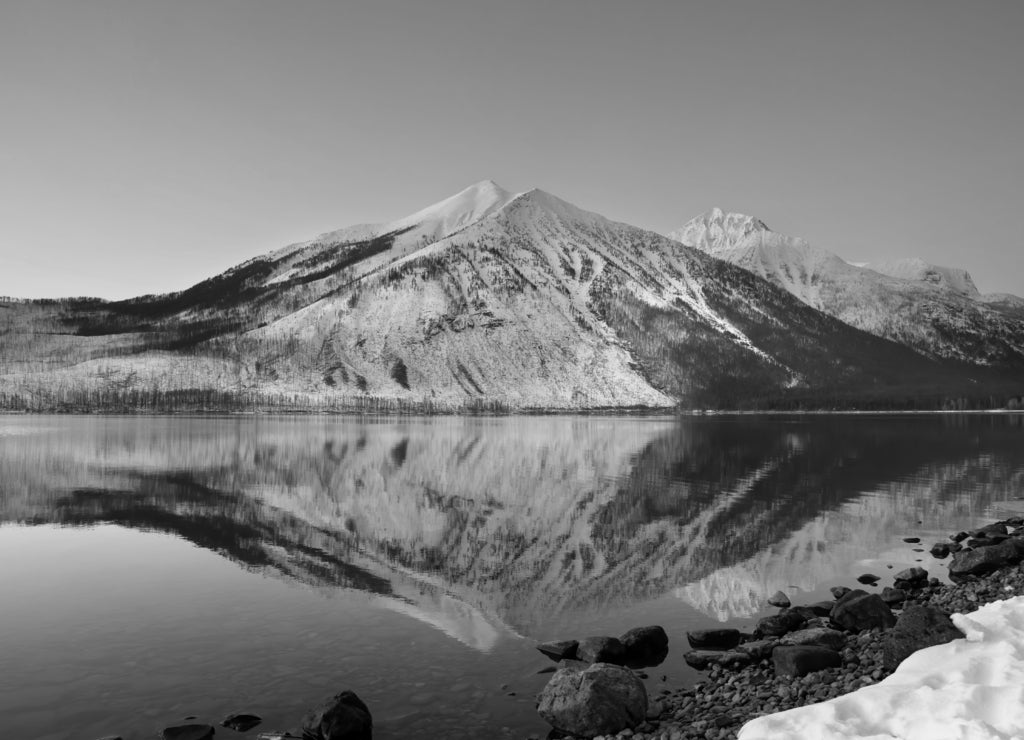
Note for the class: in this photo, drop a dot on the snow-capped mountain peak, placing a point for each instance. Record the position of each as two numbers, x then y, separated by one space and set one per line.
716 230
456 212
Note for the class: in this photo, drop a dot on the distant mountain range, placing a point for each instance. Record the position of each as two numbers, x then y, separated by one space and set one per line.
490 300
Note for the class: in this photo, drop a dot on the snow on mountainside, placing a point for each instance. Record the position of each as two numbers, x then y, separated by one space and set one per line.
935 310
484 300
950 278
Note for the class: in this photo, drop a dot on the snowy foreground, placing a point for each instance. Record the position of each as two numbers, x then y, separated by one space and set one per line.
969 689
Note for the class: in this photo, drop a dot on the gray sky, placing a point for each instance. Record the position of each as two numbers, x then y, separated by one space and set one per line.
149 145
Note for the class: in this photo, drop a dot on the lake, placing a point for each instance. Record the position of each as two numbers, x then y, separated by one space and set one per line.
155 568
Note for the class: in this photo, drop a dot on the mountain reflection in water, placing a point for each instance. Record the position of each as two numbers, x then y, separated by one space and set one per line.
483 526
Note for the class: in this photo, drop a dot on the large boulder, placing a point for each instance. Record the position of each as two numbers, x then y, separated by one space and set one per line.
817 636
918 627
859 610
985 560
188 732
559 649
718 639
241 721
914 575
799 660
779 624
342 717
603 699
645 646
601 650
779 599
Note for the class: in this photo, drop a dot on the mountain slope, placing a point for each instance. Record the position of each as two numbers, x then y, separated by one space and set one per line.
484 300
935 310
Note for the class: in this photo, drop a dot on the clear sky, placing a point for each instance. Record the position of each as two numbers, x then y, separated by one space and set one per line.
148 145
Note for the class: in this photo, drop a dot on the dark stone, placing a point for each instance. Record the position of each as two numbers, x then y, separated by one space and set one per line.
986 559
859 610
601 650
111 737
912 540
869 579
918 627
779 599
807 612
718 639
817 636
559 649
188 732
997 528
758 649
779 624
893 596
912 575
645 646
821 608
342 717
940 550
839 592
241 722
799 660
601 700
987 541
701 659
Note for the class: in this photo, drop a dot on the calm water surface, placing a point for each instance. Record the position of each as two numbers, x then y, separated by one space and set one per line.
156 568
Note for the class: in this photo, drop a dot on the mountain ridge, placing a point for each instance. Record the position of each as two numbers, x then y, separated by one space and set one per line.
484 300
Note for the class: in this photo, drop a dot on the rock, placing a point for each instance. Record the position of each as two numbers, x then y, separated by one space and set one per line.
839 592
111 737
601 650
799 660
820 637
819 622
601 700
241 722
779 624
912 540
859 610
779 599
986 559
918 627
701 659
989 529
893 596
645 646
820 608
718 639
757 649
868 578
987 541
940 550
342 717
959 536
188 732
559 649
912 575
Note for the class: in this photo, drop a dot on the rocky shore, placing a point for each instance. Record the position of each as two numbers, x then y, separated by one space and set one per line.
811 653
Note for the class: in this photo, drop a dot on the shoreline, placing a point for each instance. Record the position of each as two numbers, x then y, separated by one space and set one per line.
717 707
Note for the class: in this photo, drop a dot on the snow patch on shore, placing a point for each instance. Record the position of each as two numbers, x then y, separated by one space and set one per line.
970 689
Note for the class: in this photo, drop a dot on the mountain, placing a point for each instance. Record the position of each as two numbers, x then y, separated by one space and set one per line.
486 300
934 310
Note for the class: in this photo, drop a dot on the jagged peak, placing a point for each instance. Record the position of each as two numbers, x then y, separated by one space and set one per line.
716 229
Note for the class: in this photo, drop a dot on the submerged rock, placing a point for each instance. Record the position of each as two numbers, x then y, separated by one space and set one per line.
603 699
601 650
559 649
342 717
188 732
716 639
645 646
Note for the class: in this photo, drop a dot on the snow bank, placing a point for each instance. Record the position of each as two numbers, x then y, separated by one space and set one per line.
969 689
